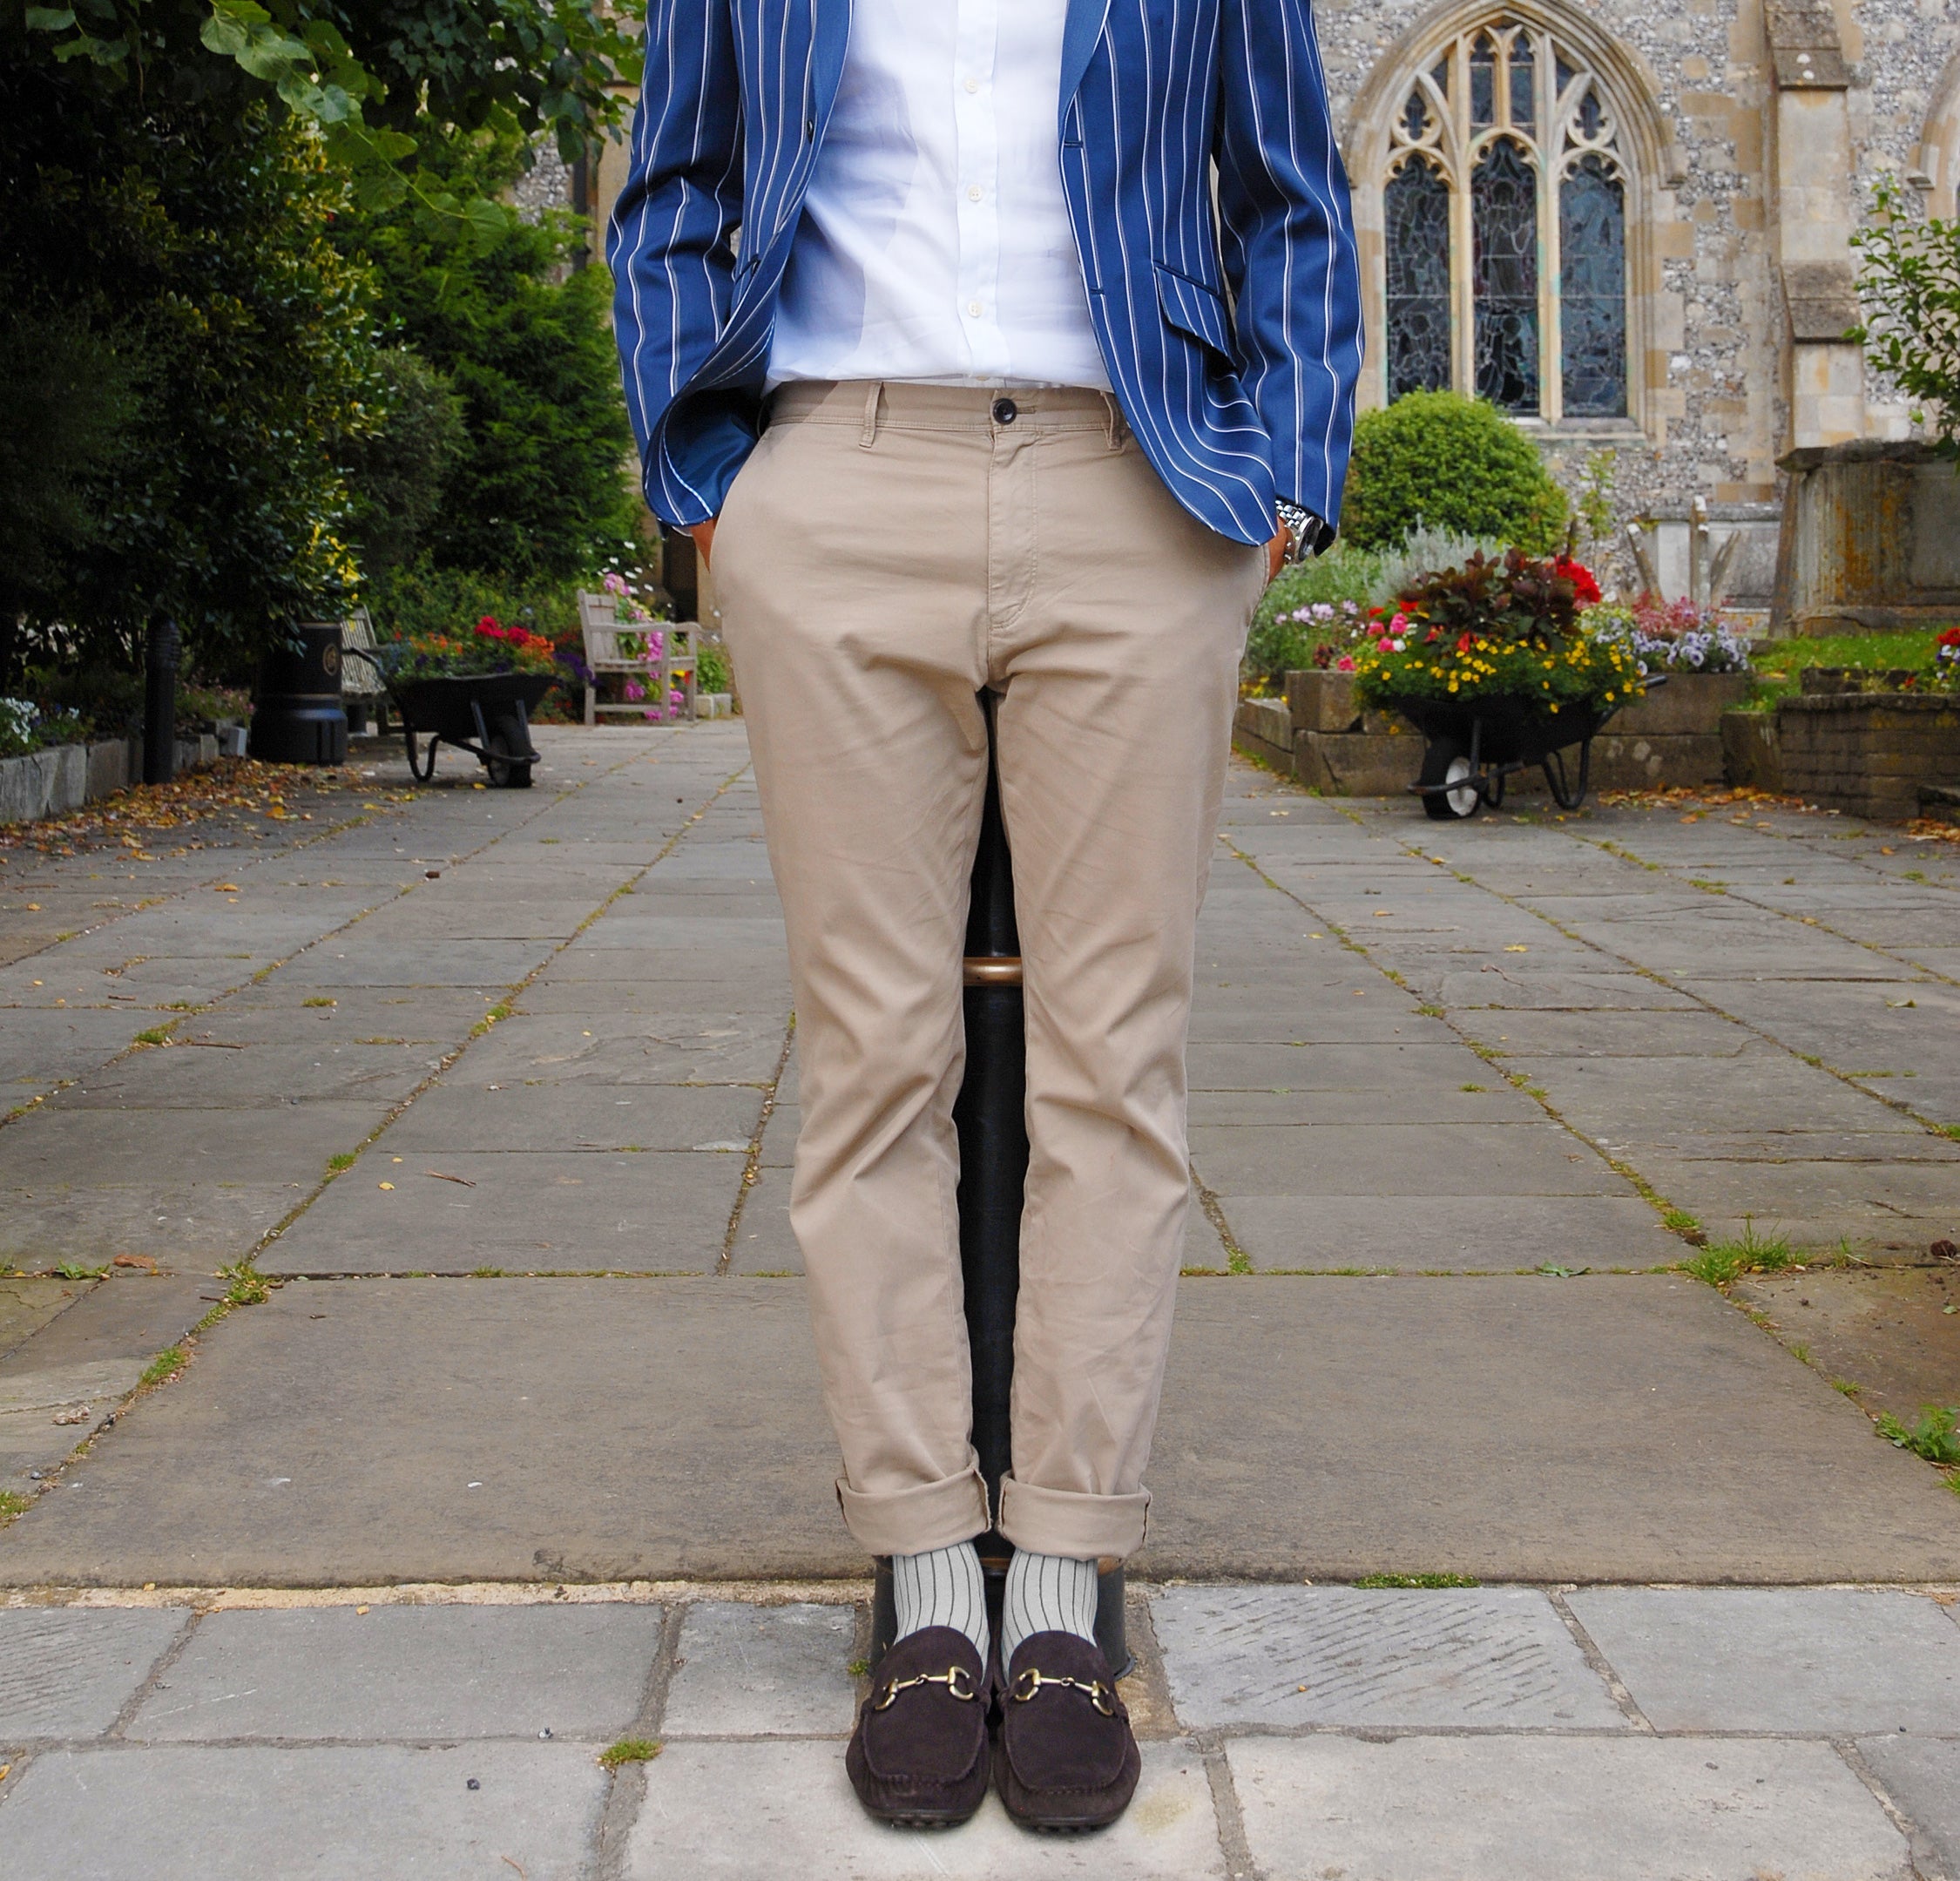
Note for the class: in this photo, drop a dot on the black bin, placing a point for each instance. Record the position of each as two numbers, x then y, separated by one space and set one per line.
297 717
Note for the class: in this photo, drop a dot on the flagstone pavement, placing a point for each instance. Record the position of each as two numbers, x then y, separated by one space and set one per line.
522 1454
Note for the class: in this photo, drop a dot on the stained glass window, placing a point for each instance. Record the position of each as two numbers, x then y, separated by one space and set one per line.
1504 223
1417 202
1592 291
1504 214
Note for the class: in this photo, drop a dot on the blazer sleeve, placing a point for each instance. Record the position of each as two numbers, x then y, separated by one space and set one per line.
1289 246
669 241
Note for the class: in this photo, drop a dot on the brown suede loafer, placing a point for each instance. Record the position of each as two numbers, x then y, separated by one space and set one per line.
1067 1758
919 1756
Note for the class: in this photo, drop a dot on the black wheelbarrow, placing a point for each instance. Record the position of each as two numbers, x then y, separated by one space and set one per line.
487 715
1472 745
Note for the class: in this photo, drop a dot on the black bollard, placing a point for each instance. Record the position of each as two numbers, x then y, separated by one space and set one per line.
990 1117
160 651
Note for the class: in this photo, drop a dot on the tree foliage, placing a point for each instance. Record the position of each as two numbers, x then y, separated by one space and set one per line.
518 334
207 358
371 76
1910 285
1450 463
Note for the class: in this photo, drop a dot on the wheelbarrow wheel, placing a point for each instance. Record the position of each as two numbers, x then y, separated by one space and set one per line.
1446 761
507 773
421 774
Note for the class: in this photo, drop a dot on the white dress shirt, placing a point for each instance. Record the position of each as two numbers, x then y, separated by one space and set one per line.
935 243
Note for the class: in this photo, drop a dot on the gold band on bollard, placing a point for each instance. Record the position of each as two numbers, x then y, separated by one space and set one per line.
1001 970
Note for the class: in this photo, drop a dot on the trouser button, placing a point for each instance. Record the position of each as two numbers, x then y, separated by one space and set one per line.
1006 411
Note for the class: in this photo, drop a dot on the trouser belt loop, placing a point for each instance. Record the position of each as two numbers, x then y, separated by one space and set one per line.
868 436
1114 412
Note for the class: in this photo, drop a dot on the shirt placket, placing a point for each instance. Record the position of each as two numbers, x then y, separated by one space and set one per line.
977 135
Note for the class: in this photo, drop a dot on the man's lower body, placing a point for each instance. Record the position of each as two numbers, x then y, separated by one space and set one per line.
887 553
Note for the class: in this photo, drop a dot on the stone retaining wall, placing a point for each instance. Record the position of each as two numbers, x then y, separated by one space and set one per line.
1867 752
1672 737
64 777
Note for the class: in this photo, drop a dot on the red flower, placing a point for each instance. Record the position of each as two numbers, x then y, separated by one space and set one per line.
1585 590
1950 637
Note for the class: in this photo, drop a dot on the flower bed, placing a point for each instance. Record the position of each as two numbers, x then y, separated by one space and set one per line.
1497 630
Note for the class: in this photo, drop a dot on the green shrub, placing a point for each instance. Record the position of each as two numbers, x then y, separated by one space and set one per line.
713 674
516 329
421 598
1311 604
1450 462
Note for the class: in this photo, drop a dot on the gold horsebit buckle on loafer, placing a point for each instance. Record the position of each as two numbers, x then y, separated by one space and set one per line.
1030 1681
958 1680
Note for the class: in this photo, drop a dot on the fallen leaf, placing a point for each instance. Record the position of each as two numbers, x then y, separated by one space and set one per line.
226 887
1518 947
1944 1250
385 1185
135 1260
79 1415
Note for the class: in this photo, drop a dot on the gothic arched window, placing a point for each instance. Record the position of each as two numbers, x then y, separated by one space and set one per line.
1504 227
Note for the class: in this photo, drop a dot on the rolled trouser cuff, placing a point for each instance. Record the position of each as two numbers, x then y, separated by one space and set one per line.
1065 1521
916 1520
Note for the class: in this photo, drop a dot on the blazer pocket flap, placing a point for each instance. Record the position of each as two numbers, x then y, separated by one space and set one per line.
1193 308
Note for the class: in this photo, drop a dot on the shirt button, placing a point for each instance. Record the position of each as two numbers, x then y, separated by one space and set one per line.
1006 411
973 84
973 307
974 194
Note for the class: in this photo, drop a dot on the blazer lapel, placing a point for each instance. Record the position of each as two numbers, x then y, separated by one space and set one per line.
1079 35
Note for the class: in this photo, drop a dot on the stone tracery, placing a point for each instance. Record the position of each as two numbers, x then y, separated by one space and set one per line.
1505 207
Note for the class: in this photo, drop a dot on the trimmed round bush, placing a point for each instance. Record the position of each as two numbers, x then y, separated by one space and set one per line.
1446 462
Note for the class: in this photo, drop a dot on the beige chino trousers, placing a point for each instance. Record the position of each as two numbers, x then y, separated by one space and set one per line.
886 553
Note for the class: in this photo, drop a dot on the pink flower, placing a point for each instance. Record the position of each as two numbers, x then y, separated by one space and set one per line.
1385 645
635 691
614 584
1345 664
1399 624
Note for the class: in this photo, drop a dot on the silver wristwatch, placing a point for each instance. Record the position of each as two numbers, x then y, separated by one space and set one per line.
1307 534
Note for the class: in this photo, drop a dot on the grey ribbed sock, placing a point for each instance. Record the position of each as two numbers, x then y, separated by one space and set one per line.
943 1587
1046 1593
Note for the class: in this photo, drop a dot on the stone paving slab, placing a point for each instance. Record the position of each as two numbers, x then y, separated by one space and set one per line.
764 1242
28 1304
1842 1660
65 1673
745 1671
191 1073
1921 1778
1602 1427
413 1673
613 1429
1533 1158
1463 1234
1276 1657
541 1118
1556 1810
192 1814
798 1819
1893 1332
733 1047
661 1212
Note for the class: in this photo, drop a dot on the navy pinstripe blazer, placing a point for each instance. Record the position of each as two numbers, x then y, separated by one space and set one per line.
1234 349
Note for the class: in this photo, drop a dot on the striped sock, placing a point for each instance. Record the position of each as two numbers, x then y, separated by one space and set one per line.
1046 1593
943 1587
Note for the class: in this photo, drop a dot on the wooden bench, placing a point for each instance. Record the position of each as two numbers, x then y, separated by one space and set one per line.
675 670
361 690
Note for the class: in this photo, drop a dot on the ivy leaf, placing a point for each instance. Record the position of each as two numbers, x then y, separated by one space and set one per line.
50 19
224 35
489 222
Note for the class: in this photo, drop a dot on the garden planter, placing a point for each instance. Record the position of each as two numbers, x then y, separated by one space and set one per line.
487 715
1867 752
1673 738
296 713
